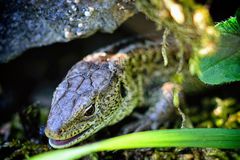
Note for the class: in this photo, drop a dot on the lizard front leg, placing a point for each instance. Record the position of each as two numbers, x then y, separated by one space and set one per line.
159 112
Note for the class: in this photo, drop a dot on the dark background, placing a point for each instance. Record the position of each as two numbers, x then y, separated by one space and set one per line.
33 76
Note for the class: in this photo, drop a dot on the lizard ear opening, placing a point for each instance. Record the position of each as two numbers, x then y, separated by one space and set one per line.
123 91
90 111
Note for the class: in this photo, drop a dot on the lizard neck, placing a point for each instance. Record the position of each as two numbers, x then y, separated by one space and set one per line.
144 68
143 56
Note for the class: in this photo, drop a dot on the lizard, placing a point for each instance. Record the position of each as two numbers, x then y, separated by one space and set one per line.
105 87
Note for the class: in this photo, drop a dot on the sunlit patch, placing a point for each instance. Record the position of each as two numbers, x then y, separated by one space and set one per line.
176 11
207 50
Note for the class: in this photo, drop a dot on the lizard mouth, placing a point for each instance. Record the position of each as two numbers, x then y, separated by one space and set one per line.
63 142
67 142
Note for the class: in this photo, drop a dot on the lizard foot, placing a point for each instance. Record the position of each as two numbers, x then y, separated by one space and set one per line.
158 114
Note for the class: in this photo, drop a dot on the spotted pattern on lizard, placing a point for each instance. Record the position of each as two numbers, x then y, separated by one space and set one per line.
106 86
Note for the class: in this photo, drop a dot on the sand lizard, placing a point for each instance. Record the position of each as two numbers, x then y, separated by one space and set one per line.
106 86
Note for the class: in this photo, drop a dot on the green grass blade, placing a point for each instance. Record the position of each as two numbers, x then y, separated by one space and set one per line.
198 137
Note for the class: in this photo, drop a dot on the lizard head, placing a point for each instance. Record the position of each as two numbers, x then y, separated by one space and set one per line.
85 101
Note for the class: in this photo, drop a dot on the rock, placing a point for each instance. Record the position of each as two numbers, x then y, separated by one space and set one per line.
32 23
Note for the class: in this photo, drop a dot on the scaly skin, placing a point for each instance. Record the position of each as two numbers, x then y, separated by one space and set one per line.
106 86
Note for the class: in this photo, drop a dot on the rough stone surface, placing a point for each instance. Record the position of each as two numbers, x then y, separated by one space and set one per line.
31 23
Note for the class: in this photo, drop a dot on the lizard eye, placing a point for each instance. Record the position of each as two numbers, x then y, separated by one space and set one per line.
90 111
122 90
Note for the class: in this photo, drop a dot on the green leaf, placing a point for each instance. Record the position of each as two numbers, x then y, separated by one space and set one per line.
199 137
224 65
238 16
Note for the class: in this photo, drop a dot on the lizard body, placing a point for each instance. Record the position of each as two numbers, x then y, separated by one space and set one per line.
106 86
